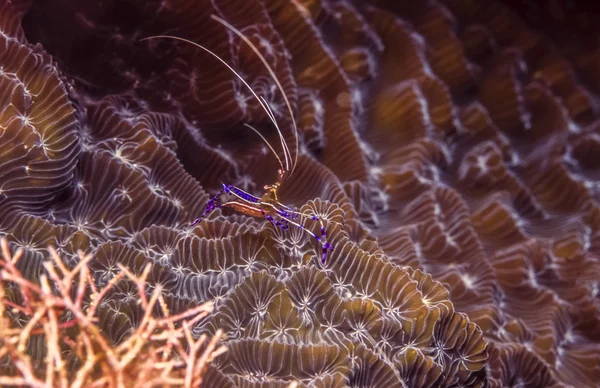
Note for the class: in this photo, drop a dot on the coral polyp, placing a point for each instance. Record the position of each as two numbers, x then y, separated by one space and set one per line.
449 148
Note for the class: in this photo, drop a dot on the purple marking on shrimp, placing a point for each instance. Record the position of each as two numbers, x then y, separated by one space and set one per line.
213 203
242 193
326 246
286 213
254 204
283 213
283 224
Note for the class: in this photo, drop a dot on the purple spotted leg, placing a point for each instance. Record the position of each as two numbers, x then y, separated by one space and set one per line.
326 245
212 204
291 216
282 224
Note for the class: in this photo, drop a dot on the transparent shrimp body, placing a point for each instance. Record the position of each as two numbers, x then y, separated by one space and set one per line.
267 206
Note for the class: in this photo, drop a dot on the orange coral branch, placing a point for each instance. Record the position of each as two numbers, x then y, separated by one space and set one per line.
153 354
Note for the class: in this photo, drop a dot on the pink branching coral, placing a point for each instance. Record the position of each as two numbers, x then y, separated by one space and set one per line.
62 308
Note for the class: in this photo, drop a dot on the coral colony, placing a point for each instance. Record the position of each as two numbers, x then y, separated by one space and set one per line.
443 153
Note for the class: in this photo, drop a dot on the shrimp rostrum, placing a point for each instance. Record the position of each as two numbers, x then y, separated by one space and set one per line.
267 206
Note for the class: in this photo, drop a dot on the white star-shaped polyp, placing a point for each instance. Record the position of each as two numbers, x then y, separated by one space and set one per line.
274 107
245 182
532 277
179 270
267 46
118 154
318 106
157 189
482 163
357 100
177 203
26 92
80 225
242 100
468 280
122 194
43 144
26 120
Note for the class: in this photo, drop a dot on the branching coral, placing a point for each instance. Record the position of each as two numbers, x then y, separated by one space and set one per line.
62 312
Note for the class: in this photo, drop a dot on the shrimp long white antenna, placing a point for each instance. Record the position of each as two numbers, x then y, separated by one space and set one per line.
265 106
266 141
273 75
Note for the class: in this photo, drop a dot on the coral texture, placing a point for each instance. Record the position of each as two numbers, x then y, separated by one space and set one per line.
450 147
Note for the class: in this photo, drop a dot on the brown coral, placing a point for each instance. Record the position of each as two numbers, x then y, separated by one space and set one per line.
450 148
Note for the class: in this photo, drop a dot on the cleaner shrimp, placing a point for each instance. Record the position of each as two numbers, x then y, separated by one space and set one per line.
268 205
